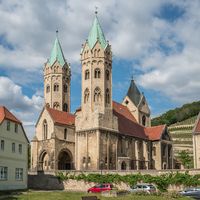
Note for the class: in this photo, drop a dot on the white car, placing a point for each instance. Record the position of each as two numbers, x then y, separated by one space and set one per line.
145 187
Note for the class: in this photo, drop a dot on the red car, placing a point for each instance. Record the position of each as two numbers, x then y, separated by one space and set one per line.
101 188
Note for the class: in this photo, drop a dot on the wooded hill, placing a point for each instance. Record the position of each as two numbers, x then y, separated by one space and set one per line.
177 114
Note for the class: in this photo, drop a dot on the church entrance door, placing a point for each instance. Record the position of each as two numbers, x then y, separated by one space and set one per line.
65 160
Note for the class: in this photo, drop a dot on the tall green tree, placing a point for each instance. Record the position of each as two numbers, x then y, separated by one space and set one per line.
185 159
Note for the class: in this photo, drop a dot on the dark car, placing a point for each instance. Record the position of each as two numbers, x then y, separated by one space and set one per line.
101 188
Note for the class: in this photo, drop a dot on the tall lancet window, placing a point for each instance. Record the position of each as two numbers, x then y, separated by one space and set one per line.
86 95
143 120
65 88
45 129
107 96
87 74
97 73
97 94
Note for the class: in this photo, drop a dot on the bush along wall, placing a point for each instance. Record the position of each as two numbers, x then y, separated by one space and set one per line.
161 181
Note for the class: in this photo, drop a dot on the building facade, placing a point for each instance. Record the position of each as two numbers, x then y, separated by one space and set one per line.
196 143
13 152
103 134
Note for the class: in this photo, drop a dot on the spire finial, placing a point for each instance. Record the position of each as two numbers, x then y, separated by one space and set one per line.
57 33
96 10
132 77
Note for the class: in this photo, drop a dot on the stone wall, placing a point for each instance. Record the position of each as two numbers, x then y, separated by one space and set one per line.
49 181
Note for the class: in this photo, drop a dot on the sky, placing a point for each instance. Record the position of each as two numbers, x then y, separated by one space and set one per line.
156 42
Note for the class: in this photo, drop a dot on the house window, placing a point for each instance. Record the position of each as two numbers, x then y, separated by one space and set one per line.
8 125
16 128
97 73
19 174
13 147
47 89
87 74
107 96
20 148
97 94
107 75
65 88
45 129
3 173
56 87
2 145
65 134
86 95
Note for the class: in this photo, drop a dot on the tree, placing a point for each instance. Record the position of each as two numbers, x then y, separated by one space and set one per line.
185 159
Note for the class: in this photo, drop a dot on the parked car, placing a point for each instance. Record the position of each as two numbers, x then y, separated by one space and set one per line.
193 192
101 188
148 188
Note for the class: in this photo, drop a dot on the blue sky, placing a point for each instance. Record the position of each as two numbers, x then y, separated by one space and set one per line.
157 42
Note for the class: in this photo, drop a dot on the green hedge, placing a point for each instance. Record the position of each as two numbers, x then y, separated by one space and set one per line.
161 181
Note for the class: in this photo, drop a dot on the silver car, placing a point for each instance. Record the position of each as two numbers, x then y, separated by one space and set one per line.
145 187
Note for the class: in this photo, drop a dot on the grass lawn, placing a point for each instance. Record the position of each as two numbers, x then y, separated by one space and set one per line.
61 195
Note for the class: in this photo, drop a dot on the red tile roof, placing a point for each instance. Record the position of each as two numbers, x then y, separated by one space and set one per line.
6 114
197 126
155 132
127 124
61 117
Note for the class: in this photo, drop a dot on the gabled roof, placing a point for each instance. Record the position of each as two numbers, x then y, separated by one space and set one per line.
61 117
57 53
196 129
127 124
96 34
6 114
155 132
134 94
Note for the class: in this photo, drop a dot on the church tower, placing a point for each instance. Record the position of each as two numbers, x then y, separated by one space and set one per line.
57 76
94 120
96 60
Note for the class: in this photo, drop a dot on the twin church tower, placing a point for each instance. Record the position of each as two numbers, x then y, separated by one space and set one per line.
102 134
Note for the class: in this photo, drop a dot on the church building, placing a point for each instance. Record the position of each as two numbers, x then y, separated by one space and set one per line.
101 134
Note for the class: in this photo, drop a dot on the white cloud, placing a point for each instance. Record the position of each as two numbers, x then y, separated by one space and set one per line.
25 108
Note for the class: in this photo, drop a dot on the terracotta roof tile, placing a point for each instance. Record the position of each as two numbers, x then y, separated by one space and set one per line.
6 114
127 123
61 117
155 132
197 127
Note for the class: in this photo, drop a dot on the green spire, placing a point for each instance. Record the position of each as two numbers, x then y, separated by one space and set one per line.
96 34
57 53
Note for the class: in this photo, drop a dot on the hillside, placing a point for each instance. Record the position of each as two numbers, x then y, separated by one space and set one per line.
178 114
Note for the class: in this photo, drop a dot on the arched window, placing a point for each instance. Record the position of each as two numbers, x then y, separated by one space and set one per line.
56 105
45 129
65 88
97 94
65 107
107 96
98 52
56 87
65 134
97 73
87 74
95 53
47 89
86 95
143 120
107 75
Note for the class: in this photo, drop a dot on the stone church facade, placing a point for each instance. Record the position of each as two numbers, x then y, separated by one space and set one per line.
102 134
